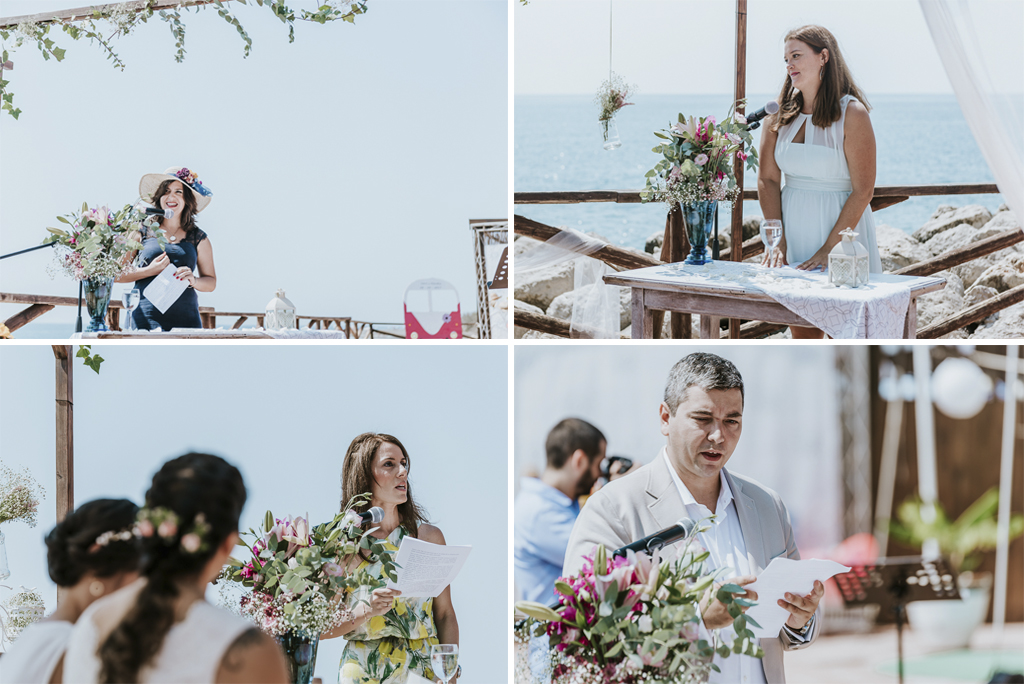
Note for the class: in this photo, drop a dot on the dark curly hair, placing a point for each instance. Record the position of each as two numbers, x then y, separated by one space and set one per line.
71 549
187 485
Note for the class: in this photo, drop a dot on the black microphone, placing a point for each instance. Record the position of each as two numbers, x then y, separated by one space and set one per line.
754 120
374 516
660 539
154 211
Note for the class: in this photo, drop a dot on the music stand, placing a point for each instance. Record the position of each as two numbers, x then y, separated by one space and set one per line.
892 583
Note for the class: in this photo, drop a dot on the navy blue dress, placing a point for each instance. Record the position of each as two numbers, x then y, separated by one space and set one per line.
184 313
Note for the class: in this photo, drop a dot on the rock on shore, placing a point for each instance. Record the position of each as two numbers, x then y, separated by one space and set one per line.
550 290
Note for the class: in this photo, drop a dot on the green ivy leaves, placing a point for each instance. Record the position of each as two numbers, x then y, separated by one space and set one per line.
85 353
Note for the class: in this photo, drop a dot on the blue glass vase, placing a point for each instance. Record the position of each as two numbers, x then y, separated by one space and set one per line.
300 653
700 219
97 300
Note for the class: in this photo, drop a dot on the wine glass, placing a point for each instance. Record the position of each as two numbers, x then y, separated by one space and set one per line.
444 660
771 234
130 299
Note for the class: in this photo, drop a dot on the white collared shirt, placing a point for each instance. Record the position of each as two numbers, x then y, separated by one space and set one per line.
724 541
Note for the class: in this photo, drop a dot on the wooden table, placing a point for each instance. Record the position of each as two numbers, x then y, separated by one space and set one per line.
197 334
717 300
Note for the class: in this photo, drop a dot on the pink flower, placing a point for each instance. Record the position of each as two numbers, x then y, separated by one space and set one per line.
690 632
167 529
144 528
740 118
191 542
701 159
674 174
742 155
333 569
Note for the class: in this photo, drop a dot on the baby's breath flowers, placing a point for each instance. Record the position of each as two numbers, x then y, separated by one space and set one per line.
612 96
19 496
23 608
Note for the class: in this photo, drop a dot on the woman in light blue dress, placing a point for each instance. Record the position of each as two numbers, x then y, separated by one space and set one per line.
822 140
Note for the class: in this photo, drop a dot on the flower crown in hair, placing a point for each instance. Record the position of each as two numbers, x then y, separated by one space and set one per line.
191 179
111 536
165 524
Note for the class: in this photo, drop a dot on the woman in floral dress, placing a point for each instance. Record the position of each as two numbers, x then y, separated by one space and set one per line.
390 636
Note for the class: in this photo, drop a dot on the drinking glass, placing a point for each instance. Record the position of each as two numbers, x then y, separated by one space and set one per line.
444 660
771 233
130 299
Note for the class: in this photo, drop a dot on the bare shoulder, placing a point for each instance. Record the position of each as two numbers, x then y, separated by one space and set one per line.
857 116
252 657
429 533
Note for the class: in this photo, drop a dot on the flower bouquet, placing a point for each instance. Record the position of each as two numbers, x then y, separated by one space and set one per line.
95 248
20 610
696 171
637 619
611 97
19 496
298 577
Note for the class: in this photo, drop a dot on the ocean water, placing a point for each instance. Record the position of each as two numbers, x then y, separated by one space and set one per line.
920 139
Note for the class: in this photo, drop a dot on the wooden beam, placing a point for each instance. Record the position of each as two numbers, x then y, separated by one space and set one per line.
26 316
964 254
739 94
544 323
610 254
84 13
976 313
633 196
65 443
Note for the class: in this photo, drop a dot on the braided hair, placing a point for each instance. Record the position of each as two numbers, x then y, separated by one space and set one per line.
201 491
72 548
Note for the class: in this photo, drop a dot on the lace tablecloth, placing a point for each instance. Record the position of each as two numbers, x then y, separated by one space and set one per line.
215 334
876 310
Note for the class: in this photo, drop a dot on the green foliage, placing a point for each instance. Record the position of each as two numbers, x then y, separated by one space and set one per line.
962 540
124 19
88 358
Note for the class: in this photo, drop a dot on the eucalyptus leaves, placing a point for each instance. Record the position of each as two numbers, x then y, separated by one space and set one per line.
120 19
98 242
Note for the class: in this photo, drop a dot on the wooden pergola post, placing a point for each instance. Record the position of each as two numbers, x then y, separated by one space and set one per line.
740 93
64 396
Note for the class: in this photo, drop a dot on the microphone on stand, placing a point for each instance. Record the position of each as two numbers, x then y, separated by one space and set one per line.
754 120
155 211
373 516
660 539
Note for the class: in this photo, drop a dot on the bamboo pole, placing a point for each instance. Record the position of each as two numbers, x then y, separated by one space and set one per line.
64 396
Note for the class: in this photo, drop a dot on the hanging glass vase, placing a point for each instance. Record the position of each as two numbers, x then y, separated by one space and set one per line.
97 299
300 653
5 570
700 218
610 131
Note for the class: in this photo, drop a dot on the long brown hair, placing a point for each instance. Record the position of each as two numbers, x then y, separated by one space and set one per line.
188 221
188 485
836 81
357 477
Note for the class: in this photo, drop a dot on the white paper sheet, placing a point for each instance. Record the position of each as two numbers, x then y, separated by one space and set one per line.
427 568
165 289
785 575
413 678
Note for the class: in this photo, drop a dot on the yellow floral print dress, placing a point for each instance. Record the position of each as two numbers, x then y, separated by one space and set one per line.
387 647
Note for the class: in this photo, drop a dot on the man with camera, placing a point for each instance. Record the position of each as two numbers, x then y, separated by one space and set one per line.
547 507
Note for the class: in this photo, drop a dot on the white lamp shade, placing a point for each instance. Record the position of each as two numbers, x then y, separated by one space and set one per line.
959 388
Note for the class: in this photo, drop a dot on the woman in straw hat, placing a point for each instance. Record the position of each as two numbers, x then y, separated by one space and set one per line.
188 249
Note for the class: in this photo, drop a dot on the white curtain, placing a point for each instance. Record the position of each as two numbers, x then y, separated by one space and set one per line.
988 78
595 308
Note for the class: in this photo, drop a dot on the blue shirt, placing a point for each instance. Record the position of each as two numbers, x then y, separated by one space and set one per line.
544 518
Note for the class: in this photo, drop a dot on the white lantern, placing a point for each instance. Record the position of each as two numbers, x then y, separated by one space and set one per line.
848 262
280 313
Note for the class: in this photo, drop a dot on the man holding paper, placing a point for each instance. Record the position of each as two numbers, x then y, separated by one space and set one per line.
701 417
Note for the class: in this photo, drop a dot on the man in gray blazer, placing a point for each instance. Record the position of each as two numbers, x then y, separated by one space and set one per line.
701 417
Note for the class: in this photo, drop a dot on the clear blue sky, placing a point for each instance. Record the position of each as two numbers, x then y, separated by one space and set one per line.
284 415
344 166
562 45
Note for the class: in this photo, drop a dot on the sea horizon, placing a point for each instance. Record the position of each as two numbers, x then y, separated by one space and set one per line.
921 139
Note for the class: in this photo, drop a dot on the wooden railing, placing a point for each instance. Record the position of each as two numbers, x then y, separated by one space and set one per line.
41 304
884 196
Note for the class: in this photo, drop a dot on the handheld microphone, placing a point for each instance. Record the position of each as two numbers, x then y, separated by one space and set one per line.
660 539
754 120
155 211
373 516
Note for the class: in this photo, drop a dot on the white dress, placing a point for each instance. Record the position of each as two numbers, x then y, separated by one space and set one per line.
36 653
191 652
817 184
